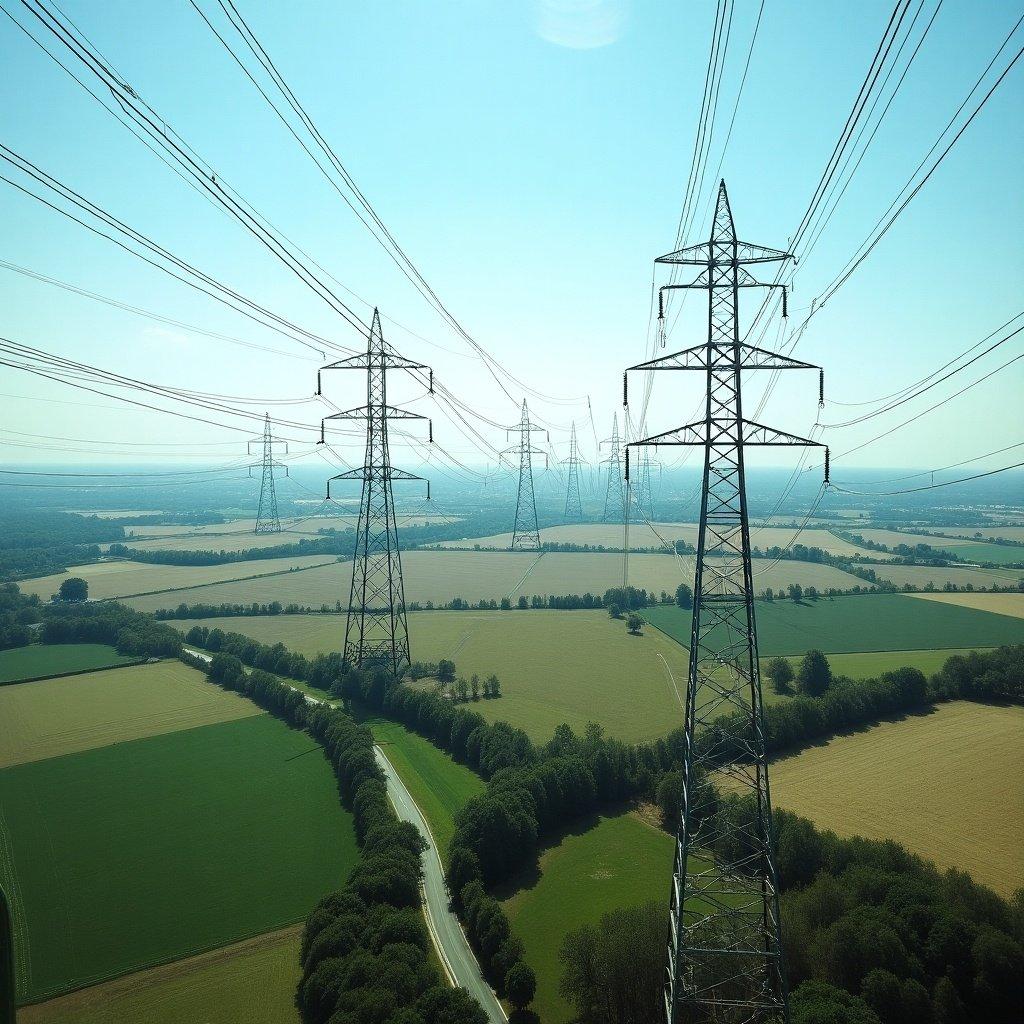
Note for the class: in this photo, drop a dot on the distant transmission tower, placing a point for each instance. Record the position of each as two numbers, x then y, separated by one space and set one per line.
376 631
642 497
615 493
267 519
725 948
573 505
525 533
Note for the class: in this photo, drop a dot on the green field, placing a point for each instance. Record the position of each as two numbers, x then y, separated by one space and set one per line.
946 785
876 622
59 716
439 785
574 667
618 862
873 663
130 855
40 660
969 550
251 982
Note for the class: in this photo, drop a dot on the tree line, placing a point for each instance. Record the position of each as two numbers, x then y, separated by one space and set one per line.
365 949
340 546
17 613
131 632
39 543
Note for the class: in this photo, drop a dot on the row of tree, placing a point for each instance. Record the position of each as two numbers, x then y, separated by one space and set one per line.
366 953
39 543
341 546
17 613
131 632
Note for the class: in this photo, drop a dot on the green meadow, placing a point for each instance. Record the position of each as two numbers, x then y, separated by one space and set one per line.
37 661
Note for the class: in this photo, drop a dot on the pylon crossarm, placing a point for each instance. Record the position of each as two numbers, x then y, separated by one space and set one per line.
691 434
761 435
390 360
360 412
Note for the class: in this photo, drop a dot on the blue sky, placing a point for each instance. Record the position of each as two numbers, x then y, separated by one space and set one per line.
532 158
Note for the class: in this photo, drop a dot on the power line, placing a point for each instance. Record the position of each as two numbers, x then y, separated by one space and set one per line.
931 487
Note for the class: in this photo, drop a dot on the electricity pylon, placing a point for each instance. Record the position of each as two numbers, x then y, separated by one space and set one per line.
642 497
267 519
573 505
725 946
615 494
376 630
525 533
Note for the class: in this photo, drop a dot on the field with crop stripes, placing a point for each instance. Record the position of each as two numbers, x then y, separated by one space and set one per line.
40 660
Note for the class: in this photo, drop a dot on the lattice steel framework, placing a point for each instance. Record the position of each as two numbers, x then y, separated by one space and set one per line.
725 948
267 518
615 491
376 631
642 497
525 532
573 504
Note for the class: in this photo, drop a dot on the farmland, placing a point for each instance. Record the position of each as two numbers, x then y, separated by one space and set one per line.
617 862
967 532
439 785
921 576
120 577
945 784
250 982
969 550
872 663
1001 604
875 622
573 667
59 716
641 535
439 576
166 846
39 660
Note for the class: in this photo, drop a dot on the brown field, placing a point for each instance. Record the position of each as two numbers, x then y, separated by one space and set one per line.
1001 604
644 536
119 578
67 715
439 576
946 785
921 575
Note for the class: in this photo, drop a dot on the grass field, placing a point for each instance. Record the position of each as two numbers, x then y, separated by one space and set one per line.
643 536
39 660
53 717
618 862
938 576
555 667
968 532
875 622
1001 604
130 855
873 663
120 578
251 982
439 785
946 785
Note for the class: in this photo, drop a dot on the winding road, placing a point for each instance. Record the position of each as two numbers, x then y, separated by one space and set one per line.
449 939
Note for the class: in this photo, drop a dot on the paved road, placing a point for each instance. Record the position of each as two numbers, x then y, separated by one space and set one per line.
446 931
449 939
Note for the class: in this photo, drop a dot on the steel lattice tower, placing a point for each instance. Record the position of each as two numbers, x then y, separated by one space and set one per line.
573 505
525 533
267 519
615 493
376 631
642 497
725 948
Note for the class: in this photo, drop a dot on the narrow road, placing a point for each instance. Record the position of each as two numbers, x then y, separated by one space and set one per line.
449 940
456 954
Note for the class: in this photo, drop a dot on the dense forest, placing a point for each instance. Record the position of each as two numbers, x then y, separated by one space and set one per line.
39 542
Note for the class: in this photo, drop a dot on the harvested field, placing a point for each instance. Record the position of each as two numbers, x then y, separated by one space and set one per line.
1000 604
938 576
120 578
251 982
53 717
969 550
131 855
40 660
946 785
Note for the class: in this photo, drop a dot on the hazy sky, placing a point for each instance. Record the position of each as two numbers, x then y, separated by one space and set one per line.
531 158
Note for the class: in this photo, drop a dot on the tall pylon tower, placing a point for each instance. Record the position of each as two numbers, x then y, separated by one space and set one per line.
525 532
573 505
376 630
643 498
615 493
725 960
267 519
